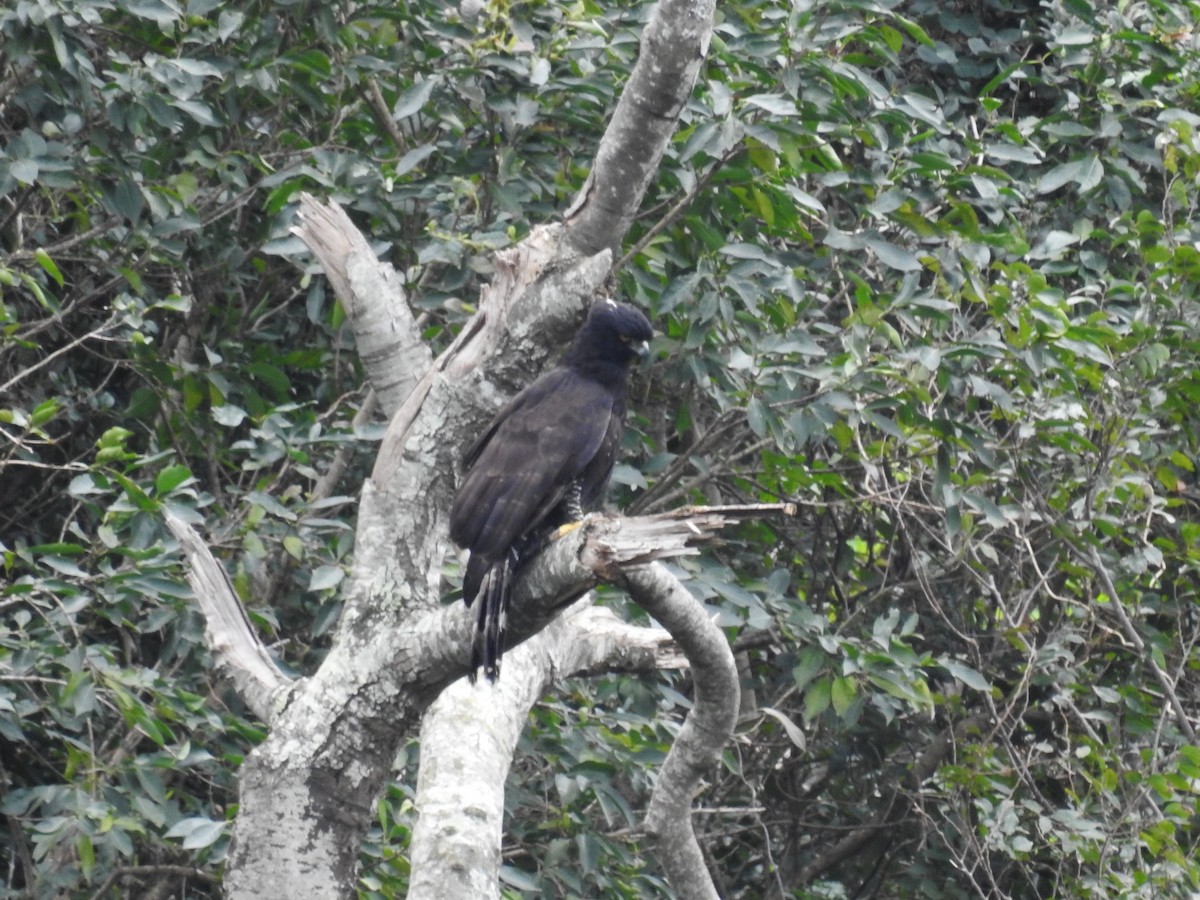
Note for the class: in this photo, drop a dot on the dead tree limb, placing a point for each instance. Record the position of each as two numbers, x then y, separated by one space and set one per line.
600 550
239 651
470 732
385 332
706 730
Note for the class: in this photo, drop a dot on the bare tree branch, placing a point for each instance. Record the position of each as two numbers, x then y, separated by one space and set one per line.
708 727
600 549
259 682
673 46
1131 634
470 732
385 332
383 115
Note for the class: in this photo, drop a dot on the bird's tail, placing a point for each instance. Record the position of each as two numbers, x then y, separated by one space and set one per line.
495 592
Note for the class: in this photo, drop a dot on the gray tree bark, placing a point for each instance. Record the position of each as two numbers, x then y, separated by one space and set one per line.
469 734
673 47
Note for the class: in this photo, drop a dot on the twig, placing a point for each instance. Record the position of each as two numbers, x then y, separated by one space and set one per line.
50 357
1136 639
337 467
123 871
675 211
383 115
727 420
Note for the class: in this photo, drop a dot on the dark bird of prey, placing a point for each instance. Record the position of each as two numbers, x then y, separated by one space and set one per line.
543 461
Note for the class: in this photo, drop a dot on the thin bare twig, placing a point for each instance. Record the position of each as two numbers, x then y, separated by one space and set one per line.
50 357
383 115
1135 639
126 871
677 209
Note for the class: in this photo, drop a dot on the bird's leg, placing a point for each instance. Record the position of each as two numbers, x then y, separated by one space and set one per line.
573 503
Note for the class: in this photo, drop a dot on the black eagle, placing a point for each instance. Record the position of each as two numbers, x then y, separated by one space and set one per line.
545 459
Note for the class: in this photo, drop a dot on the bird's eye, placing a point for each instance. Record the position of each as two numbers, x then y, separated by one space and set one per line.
624 338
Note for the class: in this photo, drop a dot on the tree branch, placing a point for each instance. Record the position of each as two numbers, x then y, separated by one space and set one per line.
383 115
1131 634
603 547
707 728
385 332
469 734
598 550
259 682
673 47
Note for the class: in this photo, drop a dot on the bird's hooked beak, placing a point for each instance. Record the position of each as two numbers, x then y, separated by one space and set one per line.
642 349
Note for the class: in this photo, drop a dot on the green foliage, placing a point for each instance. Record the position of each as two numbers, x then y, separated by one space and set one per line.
943 259
933 276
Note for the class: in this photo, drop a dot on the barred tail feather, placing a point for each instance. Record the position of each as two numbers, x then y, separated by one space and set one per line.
494 595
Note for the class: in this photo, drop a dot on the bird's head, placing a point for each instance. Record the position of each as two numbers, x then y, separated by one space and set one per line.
615 335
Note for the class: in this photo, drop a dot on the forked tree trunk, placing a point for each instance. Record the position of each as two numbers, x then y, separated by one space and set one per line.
307 791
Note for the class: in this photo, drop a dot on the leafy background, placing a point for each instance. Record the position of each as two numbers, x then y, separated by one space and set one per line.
929 269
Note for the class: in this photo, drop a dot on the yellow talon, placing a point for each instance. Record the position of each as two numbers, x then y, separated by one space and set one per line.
563 530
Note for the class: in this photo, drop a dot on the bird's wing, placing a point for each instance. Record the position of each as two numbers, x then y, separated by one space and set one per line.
527 458
594 479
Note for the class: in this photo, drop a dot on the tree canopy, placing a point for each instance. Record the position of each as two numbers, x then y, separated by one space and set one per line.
927 270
